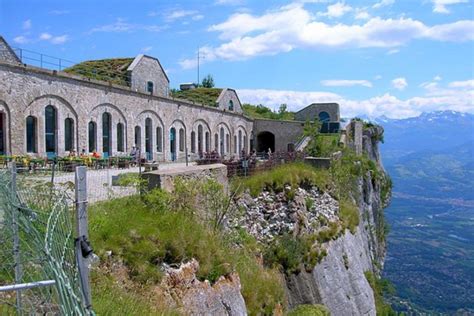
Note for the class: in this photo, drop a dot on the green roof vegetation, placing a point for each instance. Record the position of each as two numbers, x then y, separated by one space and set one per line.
205 96
262 112
112 70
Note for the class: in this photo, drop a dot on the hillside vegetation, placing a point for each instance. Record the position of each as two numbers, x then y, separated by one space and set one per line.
204 96
262 112
112 70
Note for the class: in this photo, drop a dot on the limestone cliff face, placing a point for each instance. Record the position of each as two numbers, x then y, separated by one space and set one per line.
338 281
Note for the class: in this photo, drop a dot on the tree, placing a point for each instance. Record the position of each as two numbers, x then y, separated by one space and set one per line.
282 109
208 82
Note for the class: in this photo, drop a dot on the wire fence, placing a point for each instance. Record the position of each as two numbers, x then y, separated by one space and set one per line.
39 265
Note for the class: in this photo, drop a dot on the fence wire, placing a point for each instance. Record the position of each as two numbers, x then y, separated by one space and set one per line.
37 244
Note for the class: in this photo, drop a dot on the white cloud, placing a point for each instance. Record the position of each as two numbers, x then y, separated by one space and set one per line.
45 36
399 83
147 49
437 78
393 51
198 17
346 83
467 84
383 3
121 26
362 15
228 2
59 12
378 77
440 6
27 24
53 39
21 40
293 27
337 10
179 14
385 104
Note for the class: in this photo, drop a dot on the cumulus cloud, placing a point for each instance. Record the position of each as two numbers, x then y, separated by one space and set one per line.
399 83
441 6
21 39
346 83
362 15
179 14
462 84
337 10
27 24
61 39
385 104
122 26
383 3
244 35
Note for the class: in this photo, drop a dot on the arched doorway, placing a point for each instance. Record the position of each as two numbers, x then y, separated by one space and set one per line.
173 143
265 140
50 127
106 134
149 139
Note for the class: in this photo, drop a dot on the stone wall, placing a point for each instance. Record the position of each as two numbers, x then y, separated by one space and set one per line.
312 111
229 95
6 53
145 68
285 132
26 91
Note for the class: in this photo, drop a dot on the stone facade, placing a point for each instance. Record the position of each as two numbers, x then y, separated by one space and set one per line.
6 53
284 134
145 69
26 91
312 112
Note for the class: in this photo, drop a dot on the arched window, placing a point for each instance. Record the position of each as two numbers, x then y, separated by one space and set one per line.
200 138
222 141
324 117
235 144
216 142
149 138
231 105
240 141
208 142
92 131
149 86
68 134
173 143
106 134
227 143
245 143
193 141
120 138
138 137
31 134
159 139
181 139
50 114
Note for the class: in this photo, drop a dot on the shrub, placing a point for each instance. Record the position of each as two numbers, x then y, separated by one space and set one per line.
349 214
380 286
310 310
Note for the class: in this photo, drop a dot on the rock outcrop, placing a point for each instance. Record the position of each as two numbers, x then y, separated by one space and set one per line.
184 292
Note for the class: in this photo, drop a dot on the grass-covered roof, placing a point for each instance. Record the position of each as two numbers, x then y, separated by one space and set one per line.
113 70
205 96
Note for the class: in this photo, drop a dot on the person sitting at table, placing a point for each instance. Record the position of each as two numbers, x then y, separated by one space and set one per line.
72 154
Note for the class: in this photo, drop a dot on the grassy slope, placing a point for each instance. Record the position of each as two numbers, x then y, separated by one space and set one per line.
113 70
263 112
143 237
205 96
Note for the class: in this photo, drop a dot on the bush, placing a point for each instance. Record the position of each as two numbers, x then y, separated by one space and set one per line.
145 233
349 214
310 310
381 286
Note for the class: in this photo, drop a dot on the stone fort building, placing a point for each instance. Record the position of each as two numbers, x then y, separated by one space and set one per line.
49 113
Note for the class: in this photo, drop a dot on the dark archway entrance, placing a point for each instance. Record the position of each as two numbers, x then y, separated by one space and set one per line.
265 140
173 143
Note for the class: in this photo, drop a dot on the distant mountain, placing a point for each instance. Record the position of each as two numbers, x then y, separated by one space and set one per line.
432 154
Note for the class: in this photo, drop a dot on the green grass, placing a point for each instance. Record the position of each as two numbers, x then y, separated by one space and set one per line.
380 286
143 237
262 112
310 310
349 214
295 174
205 96
113 70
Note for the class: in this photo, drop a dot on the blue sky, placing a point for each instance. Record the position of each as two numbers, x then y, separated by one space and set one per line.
388 57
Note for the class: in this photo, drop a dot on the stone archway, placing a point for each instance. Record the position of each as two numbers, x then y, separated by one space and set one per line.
265 140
